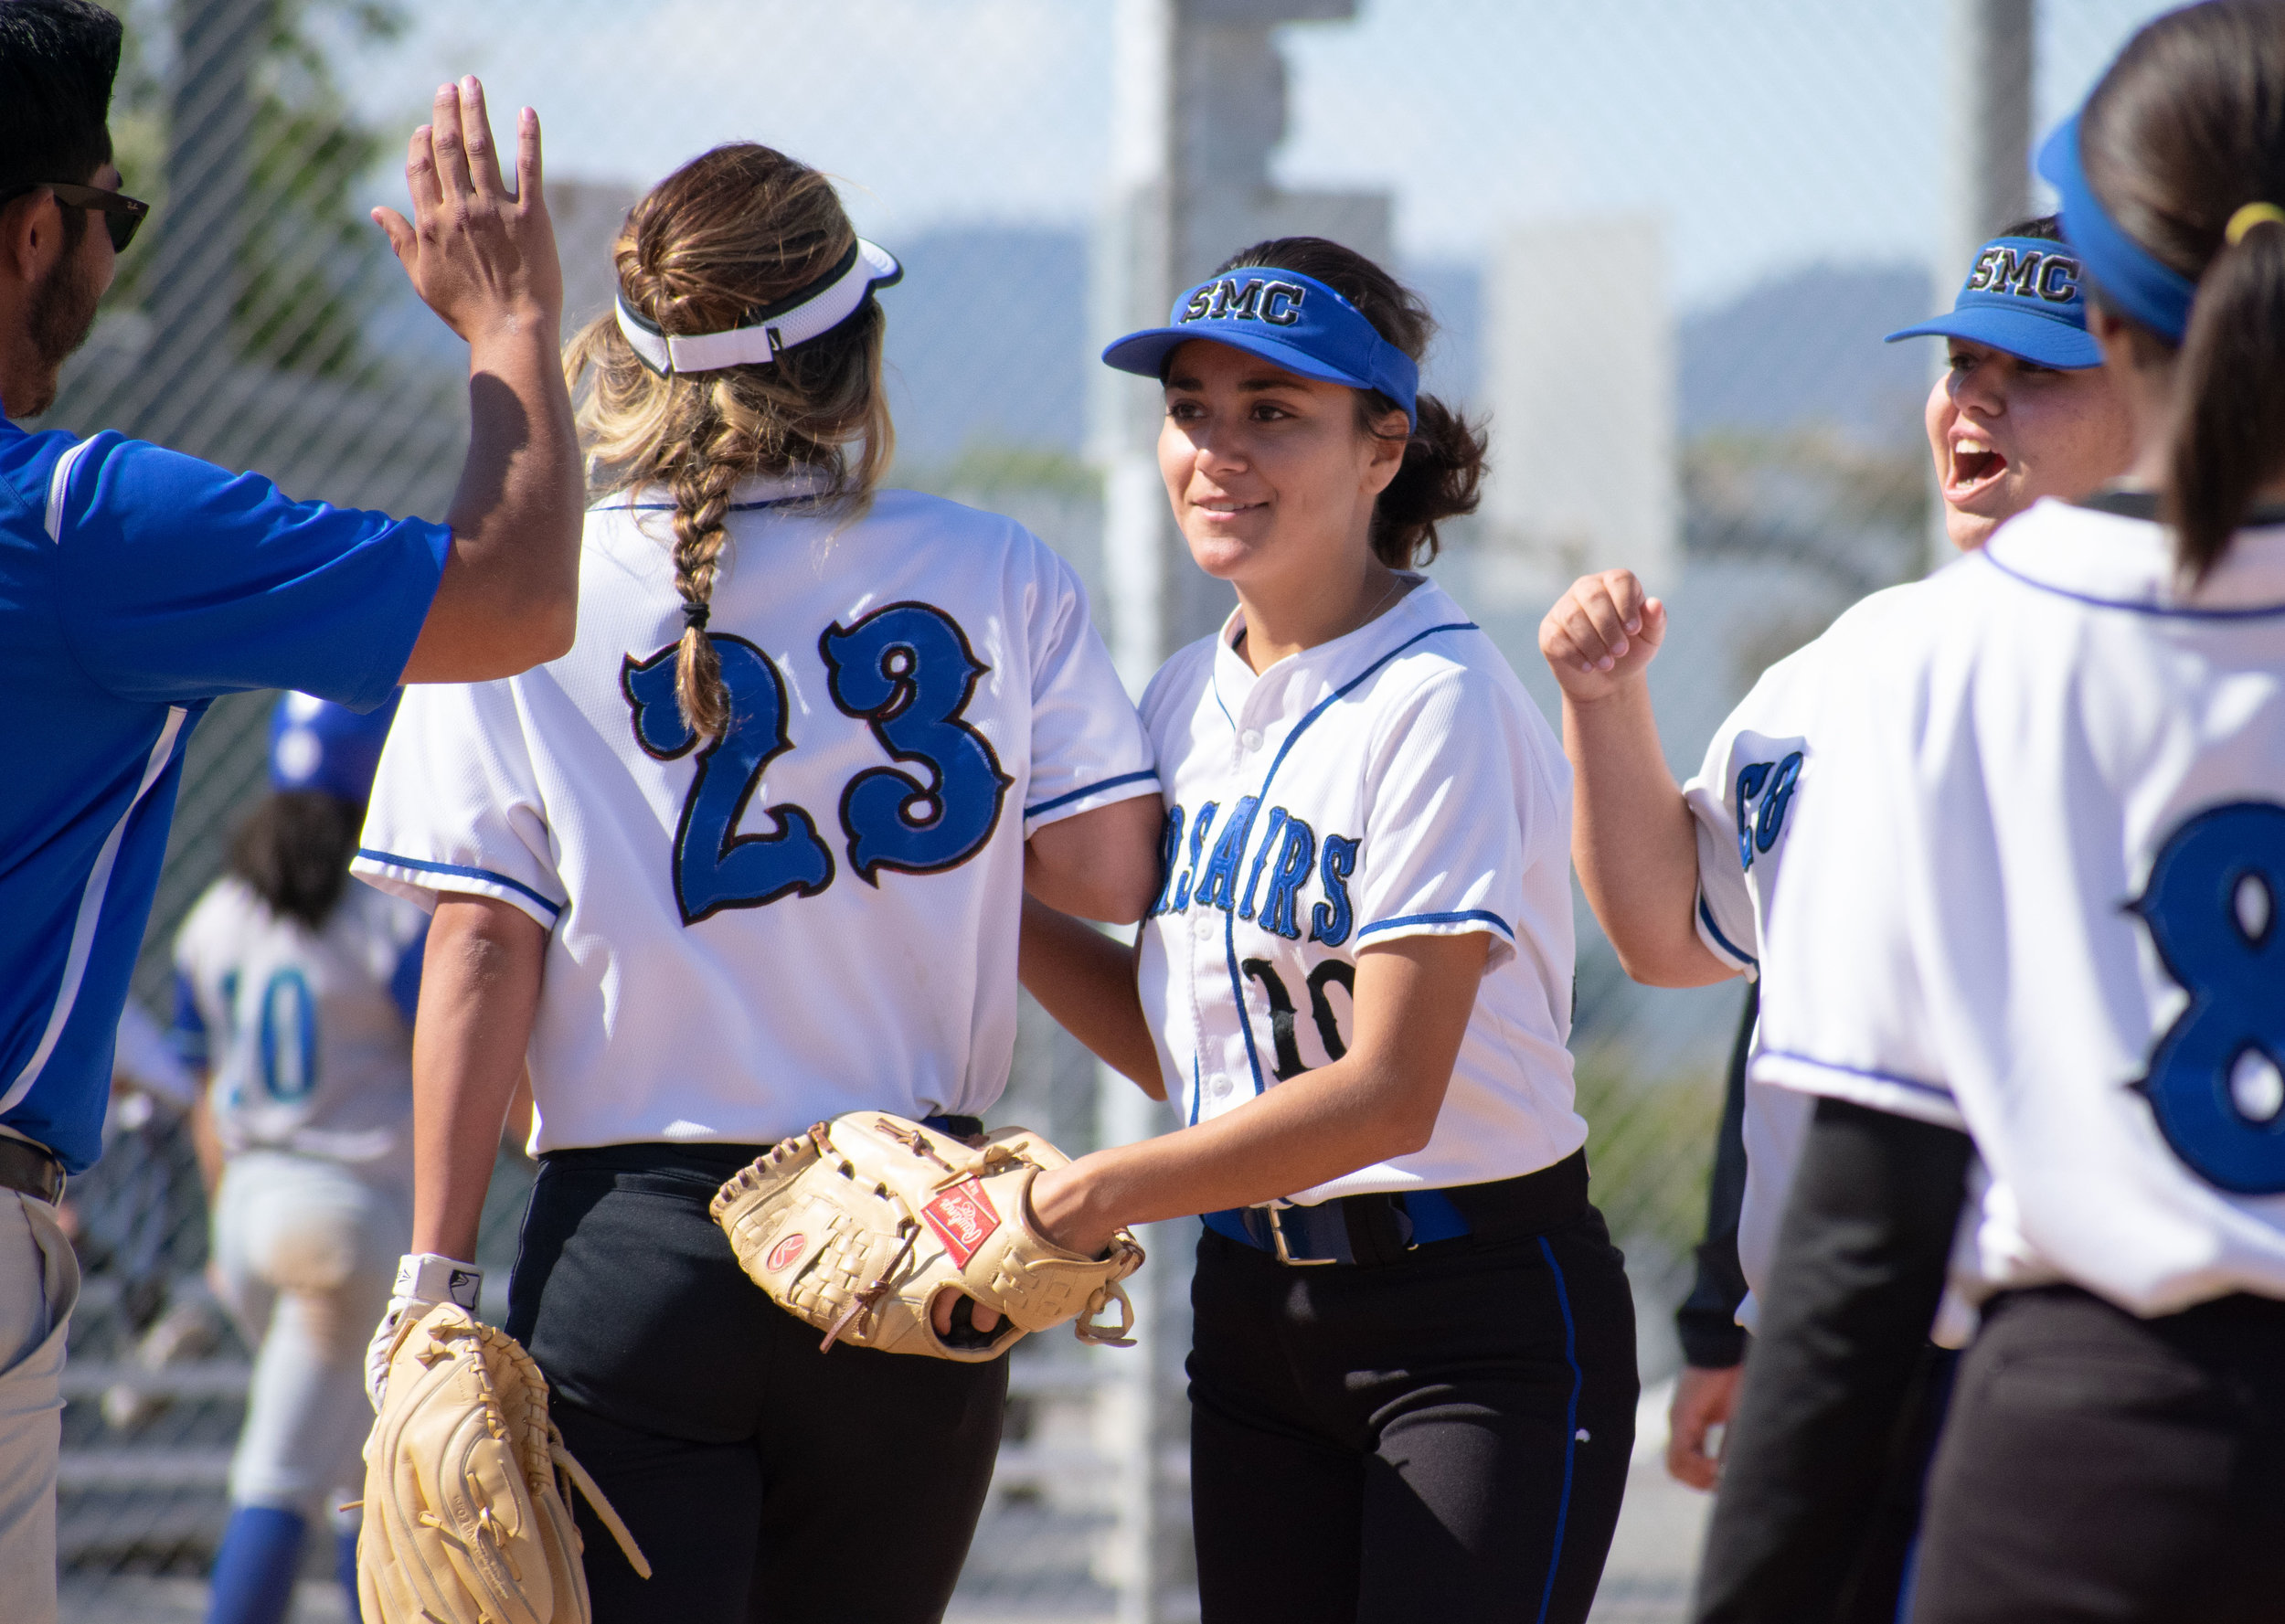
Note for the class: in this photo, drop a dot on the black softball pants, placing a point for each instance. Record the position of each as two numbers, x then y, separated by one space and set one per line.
2098 1466
764 1480
1442 1437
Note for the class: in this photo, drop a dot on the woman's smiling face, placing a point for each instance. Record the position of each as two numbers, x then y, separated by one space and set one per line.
1268 471
2006 431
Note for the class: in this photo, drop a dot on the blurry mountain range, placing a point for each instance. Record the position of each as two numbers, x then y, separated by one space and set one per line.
1804 351
987 340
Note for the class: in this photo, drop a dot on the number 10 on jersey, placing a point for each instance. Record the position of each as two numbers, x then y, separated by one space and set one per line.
908 671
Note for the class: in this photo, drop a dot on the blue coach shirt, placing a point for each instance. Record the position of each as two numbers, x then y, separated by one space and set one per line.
136 586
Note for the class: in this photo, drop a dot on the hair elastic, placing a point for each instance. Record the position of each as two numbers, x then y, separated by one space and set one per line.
2128 274
696 615
768 332
2247 218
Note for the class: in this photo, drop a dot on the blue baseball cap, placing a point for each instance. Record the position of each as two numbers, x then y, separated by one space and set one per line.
2022 295
315 744
1284 317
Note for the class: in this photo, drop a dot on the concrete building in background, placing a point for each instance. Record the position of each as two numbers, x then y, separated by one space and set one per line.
1579 378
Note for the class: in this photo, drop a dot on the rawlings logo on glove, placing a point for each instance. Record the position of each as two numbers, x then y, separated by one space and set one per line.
858 1227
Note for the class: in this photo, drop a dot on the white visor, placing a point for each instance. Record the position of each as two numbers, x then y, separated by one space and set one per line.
812 313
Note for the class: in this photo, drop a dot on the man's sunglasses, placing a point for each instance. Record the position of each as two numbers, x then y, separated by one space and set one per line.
122 215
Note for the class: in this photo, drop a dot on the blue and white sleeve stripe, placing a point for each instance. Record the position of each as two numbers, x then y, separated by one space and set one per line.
1147 776
1473 916
482 879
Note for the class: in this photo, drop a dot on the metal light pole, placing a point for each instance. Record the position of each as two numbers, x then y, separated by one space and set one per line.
200 269
1988 48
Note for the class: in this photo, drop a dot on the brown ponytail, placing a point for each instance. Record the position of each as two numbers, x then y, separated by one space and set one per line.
1441 476
2230 438
2185 129
732 232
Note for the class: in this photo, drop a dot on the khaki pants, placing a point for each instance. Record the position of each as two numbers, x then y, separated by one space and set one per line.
39 1282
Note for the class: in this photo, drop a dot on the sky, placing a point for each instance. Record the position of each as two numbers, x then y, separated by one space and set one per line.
1767 135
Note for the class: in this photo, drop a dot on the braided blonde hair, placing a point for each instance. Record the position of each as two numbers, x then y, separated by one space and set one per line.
736 229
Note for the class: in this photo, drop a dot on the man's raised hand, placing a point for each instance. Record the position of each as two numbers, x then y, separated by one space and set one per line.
478 255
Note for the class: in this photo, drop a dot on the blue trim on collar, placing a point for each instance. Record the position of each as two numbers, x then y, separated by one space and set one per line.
734 508
2163 611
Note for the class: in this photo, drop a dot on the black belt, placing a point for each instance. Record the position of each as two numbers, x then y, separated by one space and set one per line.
1383 1226
30 1168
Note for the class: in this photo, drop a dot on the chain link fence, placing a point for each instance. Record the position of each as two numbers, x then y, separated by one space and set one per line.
1664 238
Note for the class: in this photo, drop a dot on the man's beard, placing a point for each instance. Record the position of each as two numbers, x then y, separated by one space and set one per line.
61 315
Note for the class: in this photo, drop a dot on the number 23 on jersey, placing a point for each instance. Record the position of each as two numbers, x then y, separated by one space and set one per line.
908 671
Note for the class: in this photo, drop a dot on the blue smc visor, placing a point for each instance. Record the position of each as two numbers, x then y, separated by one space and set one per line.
2131 277
1293 321
2022 296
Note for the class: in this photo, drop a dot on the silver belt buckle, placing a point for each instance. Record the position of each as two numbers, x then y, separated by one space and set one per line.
1277 1234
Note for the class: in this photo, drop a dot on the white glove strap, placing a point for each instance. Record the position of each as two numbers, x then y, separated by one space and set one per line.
424 1276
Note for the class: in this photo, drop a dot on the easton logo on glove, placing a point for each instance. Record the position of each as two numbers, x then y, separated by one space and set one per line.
859 1225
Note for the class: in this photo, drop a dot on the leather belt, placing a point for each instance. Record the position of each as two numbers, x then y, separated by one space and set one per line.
1382 1227
31 1168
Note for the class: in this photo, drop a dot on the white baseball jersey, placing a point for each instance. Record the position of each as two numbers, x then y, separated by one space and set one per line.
1397 781
817 913
1746 798
307 1032
2041 897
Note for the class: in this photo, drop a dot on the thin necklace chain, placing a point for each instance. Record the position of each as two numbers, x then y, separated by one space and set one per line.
1395 580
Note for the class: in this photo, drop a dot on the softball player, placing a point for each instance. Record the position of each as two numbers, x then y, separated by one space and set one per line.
296 988
749 856
1413 1380
2022 411
2069 760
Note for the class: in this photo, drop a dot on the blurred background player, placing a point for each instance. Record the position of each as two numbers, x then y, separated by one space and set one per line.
751 855
137 585
2023 410
1412 1379
296 989
2036 928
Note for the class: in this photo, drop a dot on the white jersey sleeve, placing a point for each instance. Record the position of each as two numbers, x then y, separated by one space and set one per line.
1745 796
1444 834
1087 743
2044 908
456 805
